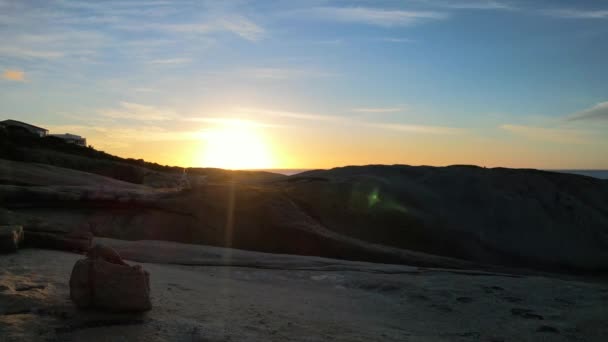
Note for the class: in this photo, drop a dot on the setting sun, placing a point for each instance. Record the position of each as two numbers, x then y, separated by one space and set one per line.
235 145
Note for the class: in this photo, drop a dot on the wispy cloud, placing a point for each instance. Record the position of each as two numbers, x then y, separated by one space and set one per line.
374 16
378 109
239 25
117 134
13 75
599 112
553 135
171 61
26 52
50 46
83 31
397 40
140 112
577 14
230 122
282 73
425 129
417 128
329 42
476 5
290 115
123 136
144 90
154 133
243 27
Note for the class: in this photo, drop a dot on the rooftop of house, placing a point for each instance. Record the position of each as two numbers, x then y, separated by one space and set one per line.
13 122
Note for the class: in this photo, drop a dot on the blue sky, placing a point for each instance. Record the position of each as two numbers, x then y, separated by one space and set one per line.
509 83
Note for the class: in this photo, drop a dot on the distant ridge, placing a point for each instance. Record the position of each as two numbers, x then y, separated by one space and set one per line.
601 174
286 172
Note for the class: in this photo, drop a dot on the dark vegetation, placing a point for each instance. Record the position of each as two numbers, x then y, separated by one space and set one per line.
20 145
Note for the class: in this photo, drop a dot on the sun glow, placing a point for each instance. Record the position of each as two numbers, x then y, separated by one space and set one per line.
236 144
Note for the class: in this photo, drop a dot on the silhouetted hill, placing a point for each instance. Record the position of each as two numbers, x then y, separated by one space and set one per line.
54 151
499 215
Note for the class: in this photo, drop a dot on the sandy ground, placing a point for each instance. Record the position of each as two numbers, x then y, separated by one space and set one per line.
286 298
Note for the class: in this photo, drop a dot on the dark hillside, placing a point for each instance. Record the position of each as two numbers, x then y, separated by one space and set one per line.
20 146
506 216
443 216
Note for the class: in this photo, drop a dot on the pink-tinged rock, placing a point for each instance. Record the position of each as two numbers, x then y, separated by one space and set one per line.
100 284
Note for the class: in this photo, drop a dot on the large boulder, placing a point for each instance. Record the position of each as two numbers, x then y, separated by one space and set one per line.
104 283
10 238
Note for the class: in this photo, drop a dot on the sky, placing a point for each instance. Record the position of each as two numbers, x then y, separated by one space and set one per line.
316 83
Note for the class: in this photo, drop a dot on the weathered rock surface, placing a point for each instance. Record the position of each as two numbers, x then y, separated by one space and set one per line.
67 242
515 217
102 283
10 238
297 298
390 214
61 237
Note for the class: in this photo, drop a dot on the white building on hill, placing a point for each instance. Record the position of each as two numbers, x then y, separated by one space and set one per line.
71 138
43 132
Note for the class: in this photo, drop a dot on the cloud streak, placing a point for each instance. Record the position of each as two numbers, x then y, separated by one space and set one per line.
424 129
291 115
378 109
171 61
416 128
51 46
231 122
397 40
599 112
81 30
139 112
577 14
236 24
123 135
282 73
375 16
13 75
477 5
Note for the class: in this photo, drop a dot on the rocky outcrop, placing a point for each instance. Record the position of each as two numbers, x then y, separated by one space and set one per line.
390 214
512 217
11 238
68 242
106 253
60 237
101 281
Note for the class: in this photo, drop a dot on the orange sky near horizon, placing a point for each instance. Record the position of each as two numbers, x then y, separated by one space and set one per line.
314 84
240 145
